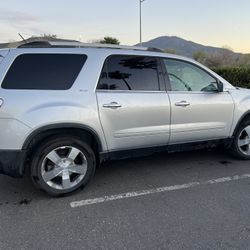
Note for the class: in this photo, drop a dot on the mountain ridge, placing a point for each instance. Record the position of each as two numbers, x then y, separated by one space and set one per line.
171 44
184 47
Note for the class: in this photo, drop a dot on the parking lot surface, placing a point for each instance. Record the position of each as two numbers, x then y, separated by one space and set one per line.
190 200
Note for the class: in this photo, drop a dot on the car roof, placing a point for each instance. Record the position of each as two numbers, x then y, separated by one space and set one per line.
103 51
102 48
52 44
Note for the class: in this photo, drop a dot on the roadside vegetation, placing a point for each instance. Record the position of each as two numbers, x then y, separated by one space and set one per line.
110 40
234 67
238 76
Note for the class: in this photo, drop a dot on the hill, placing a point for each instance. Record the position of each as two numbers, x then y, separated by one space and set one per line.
212 57
183 47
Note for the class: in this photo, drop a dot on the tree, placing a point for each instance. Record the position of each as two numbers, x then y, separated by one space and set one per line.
222 58
42 37
244 60
200 56
110 40
49 35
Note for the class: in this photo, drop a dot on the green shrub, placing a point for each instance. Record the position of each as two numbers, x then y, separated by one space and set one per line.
238 76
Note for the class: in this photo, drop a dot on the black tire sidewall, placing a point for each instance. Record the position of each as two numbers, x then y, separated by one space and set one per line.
235 148
44 148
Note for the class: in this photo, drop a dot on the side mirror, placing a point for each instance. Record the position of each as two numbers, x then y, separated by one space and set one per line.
220 86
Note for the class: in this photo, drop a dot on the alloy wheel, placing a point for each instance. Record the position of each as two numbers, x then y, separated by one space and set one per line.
64 167
244 141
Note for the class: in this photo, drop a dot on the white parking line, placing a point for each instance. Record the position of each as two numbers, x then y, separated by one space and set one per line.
81 203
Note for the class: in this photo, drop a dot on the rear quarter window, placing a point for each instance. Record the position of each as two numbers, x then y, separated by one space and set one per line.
44 71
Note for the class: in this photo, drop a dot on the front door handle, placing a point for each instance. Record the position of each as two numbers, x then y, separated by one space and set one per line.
182 104
112 105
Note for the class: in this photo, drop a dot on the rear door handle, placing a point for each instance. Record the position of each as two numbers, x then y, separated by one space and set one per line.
112 105
182 104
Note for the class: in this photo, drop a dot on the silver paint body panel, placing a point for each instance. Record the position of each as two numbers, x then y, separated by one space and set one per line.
144 119
209 116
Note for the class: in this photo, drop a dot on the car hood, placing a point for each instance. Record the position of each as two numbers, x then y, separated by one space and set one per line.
244 90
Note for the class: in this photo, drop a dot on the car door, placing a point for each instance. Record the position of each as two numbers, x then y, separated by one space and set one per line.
199 112
133 105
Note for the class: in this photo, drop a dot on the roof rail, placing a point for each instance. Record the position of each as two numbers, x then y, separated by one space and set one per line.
51 44
36 44
55 44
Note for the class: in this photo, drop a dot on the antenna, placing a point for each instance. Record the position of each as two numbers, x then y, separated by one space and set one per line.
22 37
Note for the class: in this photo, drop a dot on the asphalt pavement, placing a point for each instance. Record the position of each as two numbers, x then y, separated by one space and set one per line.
189 200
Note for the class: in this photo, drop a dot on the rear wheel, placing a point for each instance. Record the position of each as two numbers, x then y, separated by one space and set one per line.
62 165
241 143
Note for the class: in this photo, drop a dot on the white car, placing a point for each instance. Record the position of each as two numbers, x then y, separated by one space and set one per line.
66 107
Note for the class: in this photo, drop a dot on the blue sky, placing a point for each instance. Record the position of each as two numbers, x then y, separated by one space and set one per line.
214 22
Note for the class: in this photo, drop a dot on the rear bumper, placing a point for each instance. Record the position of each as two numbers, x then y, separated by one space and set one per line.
12 162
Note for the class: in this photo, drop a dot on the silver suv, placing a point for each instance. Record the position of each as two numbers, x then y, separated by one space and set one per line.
66 107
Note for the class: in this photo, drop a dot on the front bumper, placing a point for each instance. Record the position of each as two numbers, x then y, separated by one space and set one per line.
12 162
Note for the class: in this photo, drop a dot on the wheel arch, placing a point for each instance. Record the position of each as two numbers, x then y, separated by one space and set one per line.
243 118
73 129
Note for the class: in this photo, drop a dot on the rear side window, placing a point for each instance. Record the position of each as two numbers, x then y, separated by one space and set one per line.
44 71
131 73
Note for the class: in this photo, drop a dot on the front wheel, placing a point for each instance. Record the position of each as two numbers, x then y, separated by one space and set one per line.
62 165
241 142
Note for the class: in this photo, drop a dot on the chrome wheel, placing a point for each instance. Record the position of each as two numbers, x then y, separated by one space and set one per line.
64 167
244 141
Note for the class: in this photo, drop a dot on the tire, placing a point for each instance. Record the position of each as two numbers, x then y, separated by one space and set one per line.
241 143
62 165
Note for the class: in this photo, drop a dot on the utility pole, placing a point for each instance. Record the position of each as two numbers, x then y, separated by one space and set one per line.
140 3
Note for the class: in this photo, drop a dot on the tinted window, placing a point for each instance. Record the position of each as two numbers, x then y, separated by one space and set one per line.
185 76
130 73
44 71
